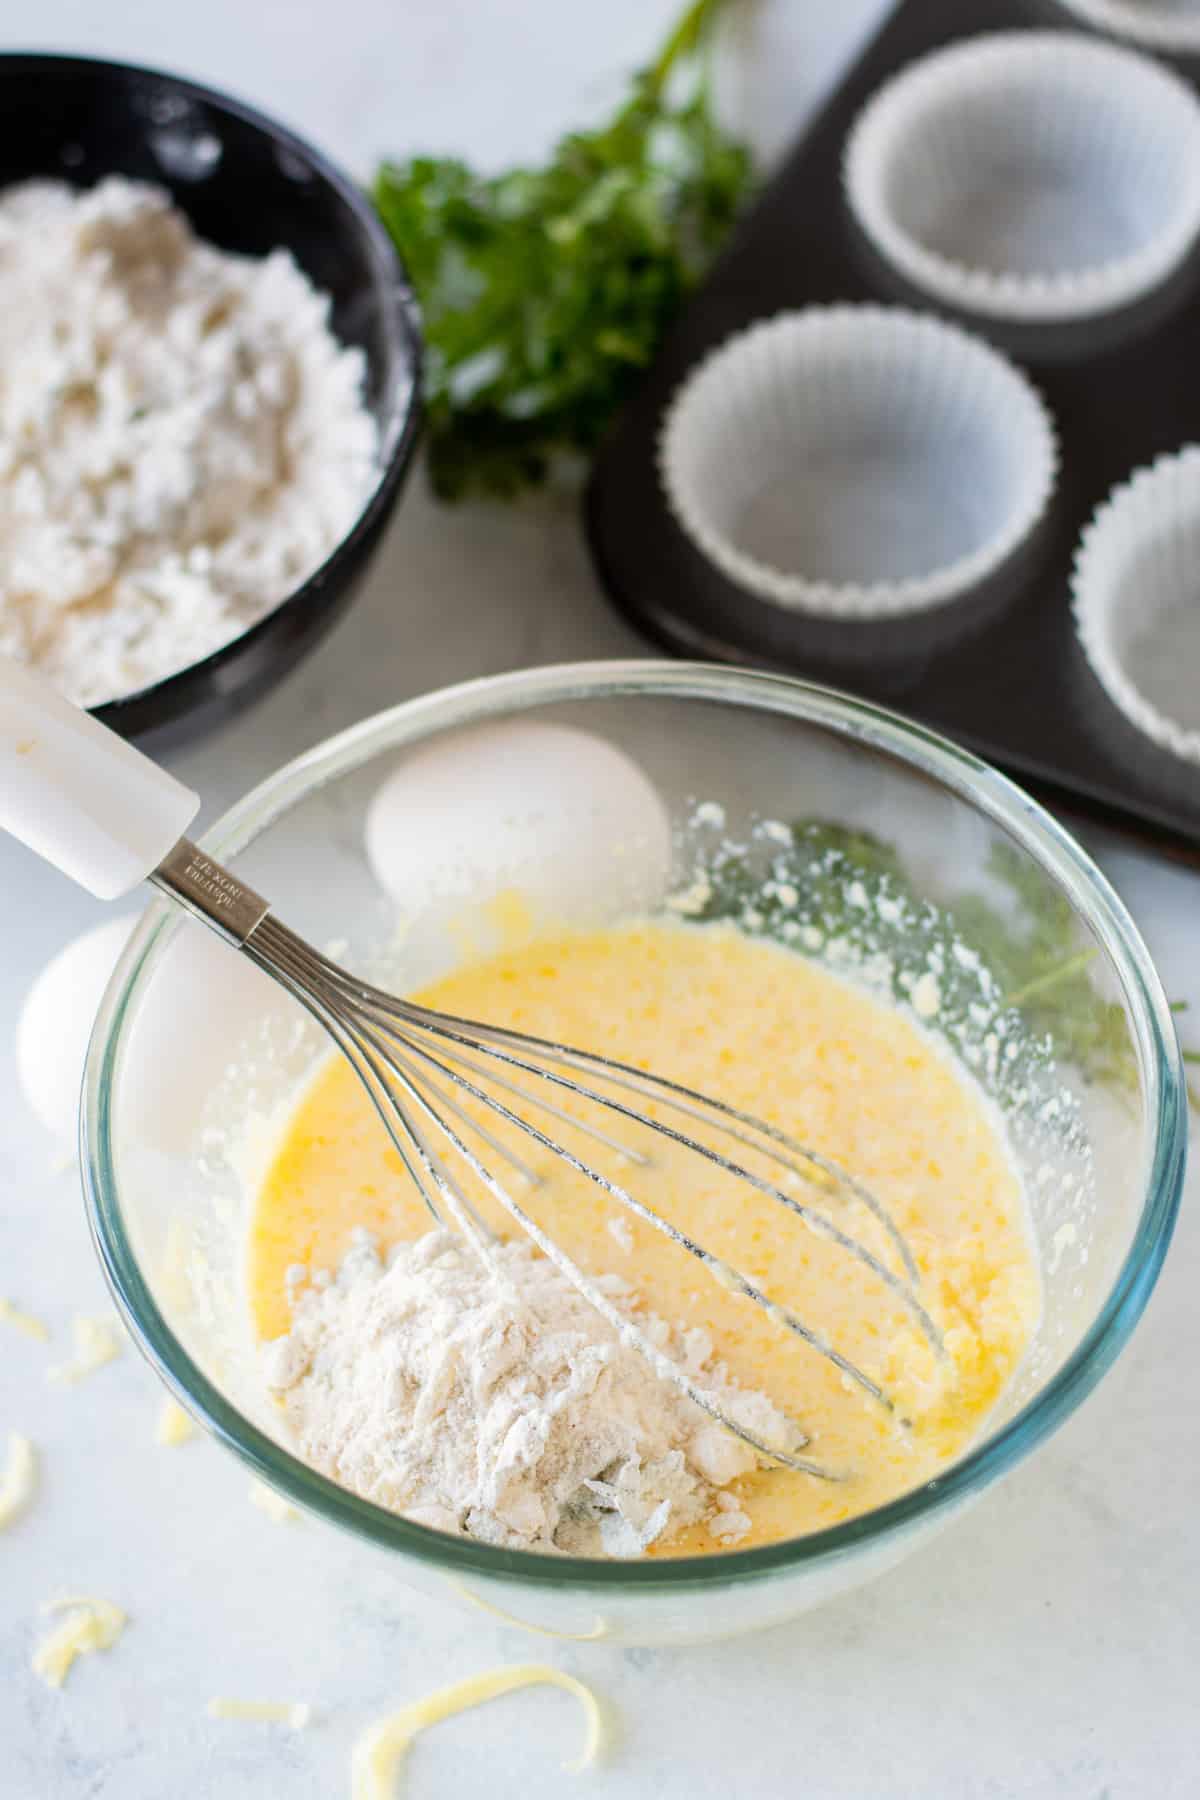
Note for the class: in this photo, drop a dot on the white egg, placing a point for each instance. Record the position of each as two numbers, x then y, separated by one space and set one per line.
205 1017
563 817
56 1022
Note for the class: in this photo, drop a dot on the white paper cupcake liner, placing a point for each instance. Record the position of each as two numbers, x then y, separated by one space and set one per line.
1037 176
857 462
1136 589
1172 26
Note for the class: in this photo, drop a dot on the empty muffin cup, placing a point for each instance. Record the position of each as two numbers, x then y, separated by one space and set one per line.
1170 26
1035 176
1136 590
857 462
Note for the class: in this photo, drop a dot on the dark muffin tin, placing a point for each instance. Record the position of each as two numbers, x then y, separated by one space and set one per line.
1001 671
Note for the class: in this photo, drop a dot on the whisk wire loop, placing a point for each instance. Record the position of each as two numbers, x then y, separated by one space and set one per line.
399 1016
423 1069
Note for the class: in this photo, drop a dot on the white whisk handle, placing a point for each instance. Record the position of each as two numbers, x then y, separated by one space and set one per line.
79 795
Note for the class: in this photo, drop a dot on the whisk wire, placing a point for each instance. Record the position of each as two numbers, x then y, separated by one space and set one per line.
808 1165
664 1366
716 1266
292 961
738 1125
815 1221
420 1069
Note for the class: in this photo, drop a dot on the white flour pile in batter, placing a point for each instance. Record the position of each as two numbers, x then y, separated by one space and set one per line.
182 438
508 1410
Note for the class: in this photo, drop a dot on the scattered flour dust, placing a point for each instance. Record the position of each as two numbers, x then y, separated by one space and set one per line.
503 1407
182 439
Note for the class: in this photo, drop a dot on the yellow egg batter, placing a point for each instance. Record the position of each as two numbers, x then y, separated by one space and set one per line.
763 1028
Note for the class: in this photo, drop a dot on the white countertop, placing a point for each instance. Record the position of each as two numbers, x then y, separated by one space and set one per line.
1046 1646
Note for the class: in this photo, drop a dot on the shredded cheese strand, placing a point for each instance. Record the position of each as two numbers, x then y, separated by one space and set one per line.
17 1482
174 1425
380 1751
599 1630
24 1322
90 1624
271 1503
97 1341
296 1713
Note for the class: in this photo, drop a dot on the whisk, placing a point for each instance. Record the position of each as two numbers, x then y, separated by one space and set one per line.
108 817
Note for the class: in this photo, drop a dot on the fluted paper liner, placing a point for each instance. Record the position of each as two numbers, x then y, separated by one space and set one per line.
1036 176
857 462
1158 26
1136 590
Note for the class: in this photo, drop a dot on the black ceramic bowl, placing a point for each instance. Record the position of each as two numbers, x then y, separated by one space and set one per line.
248 185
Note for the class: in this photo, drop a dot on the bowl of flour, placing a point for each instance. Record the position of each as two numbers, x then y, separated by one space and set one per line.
209 375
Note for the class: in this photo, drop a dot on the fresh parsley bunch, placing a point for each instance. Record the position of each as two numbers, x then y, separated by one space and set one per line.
546 291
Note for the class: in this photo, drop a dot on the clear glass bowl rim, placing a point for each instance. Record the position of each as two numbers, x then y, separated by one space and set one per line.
964 775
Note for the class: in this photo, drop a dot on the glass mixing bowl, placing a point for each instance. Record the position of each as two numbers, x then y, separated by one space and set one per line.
195 1053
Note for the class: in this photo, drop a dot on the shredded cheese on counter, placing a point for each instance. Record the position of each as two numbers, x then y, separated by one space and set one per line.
97 1341
600 1629
380 1751
18 1479
90 1625
174 1425
271 1503
296 1713
24 1322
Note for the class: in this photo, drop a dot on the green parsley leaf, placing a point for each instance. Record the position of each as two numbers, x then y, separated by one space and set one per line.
1030 946
546 291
